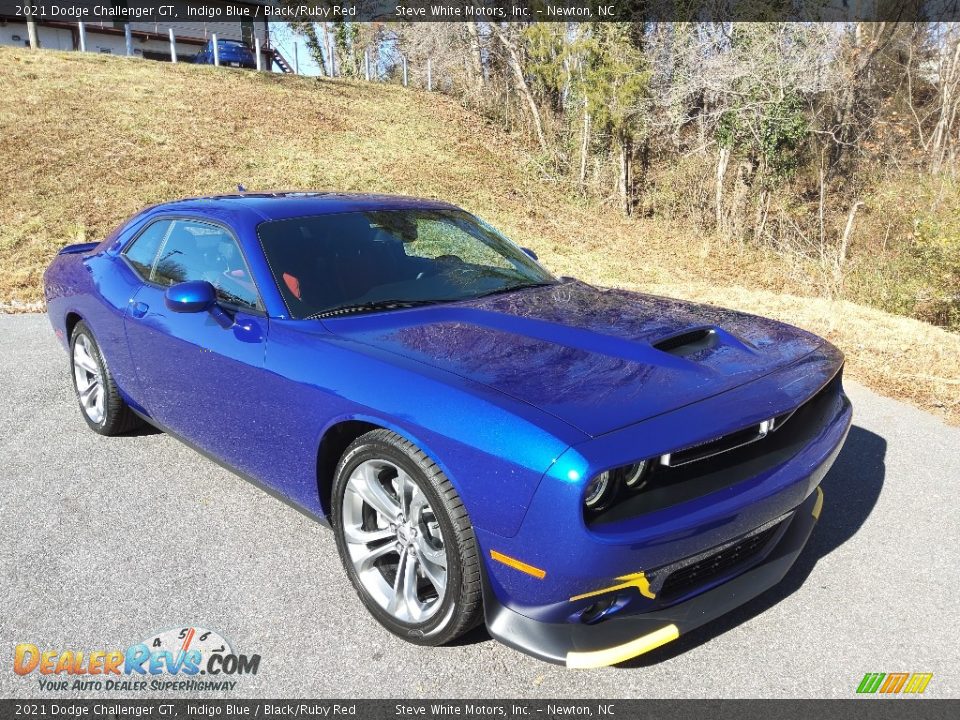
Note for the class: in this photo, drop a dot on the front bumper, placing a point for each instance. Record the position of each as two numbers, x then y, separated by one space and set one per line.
620 638
591 595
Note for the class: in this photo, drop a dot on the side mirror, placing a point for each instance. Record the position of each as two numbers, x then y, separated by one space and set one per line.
531 253
191 297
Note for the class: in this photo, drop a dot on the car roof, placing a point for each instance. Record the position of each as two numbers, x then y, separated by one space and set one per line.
285 204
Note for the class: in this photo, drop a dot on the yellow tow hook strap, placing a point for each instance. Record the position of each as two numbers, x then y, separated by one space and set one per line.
637 580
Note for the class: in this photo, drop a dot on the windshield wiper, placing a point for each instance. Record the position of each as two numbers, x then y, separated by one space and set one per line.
370 306
511 288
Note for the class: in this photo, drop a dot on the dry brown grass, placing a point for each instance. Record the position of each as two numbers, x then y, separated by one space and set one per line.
87 140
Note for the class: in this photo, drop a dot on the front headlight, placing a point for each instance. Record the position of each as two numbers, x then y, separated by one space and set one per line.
602 490
635 476
599 491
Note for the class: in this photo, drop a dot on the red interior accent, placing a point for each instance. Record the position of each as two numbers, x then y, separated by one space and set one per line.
293 284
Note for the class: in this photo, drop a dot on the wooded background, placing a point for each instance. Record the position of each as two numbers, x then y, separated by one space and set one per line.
834 145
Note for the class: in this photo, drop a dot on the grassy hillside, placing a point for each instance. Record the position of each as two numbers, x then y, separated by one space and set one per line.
86 140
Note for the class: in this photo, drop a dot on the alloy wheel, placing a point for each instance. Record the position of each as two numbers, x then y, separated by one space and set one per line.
394 541
86 372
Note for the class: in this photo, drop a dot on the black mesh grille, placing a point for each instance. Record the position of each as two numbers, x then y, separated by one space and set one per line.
713 566
728 442
668 486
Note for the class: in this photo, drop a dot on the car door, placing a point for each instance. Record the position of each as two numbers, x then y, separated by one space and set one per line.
197 378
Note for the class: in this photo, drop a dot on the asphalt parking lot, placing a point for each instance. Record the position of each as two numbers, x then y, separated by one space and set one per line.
105 541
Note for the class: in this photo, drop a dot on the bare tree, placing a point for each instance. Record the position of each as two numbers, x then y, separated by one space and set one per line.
515 64
946 81
476 54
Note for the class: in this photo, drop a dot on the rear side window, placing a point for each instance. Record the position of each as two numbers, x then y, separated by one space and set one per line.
143 251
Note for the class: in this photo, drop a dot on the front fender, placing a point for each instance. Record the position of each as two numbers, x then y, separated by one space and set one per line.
493 449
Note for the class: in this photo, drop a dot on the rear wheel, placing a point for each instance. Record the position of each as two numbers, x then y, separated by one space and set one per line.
102 407
405 540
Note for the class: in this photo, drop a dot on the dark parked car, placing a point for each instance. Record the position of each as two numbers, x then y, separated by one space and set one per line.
233 53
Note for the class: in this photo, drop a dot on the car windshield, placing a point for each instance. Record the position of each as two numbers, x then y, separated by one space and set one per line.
380 260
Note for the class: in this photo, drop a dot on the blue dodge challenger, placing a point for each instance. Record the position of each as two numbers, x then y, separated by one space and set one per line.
590 472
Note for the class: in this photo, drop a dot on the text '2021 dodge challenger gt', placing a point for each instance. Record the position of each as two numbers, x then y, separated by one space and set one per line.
591 472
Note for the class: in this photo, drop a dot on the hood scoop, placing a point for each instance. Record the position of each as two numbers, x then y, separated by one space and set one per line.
689 342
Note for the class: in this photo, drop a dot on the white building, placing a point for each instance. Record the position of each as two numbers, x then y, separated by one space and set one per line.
149 39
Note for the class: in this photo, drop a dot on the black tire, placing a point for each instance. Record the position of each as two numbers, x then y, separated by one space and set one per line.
461 607
117 417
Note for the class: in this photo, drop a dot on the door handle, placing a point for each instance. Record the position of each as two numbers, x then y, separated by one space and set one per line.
138 309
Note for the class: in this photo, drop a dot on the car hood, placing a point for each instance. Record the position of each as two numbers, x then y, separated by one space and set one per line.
597 359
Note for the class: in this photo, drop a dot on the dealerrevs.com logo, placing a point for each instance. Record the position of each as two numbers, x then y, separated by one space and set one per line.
183 659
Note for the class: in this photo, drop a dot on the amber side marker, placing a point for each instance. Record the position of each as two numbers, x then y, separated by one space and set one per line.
518 565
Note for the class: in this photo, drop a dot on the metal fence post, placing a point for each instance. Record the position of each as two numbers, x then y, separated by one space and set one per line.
83 36
216 50
366 63
296 58
404 70
34 38
256 46
173 46
128 35
429 75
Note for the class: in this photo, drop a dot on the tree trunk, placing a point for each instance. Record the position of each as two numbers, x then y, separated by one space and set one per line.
640 183
821 210
625 183
847 231
942 134
309 31
476 57
584 147
738 203
760 222
723 159
328 46
516 66
868 41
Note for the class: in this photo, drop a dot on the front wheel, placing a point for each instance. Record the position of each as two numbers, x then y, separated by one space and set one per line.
405 540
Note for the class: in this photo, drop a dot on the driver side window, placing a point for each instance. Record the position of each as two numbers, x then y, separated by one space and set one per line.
185 250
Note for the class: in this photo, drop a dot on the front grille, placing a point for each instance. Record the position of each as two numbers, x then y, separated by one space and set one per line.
711 448
746 436
669 485
697 574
